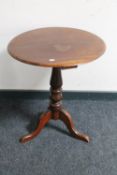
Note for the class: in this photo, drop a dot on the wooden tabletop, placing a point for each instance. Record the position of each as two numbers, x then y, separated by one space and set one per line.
56 47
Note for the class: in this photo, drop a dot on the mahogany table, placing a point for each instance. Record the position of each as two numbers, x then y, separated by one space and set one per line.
59 48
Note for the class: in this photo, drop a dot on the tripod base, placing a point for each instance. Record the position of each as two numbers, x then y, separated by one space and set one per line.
55 110
62 115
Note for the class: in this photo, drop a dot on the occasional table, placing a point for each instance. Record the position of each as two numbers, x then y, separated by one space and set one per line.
59 48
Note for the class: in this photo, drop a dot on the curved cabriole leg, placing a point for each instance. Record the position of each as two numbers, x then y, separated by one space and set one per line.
66 118
42 122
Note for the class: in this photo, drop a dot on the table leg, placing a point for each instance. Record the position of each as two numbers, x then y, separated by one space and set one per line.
44 119
66 118
56 110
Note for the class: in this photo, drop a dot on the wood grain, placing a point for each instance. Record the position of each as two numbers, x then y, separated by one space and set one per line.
56 47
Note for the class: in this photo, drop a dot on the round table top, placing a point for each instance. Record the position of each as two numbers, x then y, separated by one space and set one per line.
56 47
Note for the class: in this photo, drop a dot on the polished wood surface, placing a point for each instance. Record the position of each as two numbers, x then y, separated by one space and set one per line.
56 47
56 111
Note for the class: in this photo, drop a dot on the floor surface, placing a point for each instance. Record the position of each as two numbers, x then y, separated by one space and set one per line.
54 151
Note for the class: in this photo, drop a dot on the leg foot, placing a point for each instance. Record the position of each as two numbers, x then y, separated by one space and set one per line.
66 118
42 122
